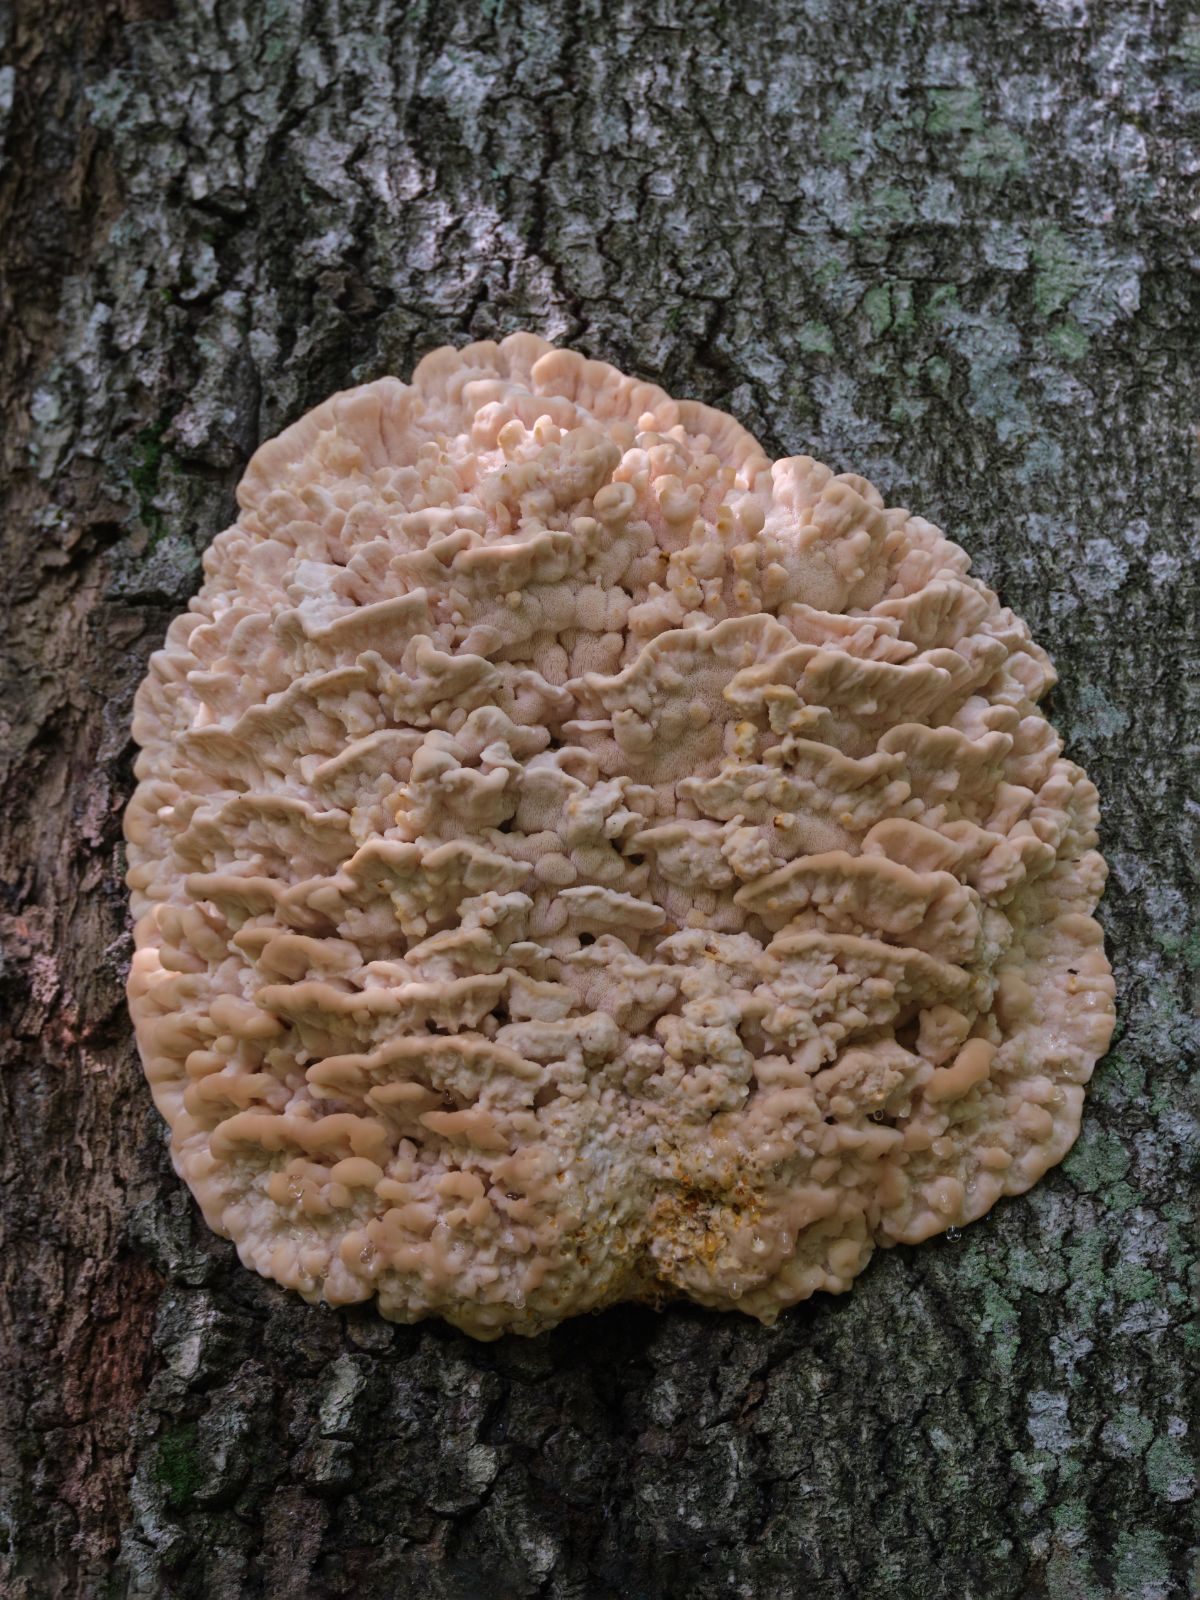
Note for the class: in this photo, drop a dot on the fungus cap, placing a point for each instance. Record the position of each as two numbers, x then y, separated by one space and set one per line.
576 859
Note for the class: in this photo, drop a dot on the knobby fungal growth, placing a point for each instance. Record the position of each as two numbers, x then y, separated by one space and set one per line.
577 859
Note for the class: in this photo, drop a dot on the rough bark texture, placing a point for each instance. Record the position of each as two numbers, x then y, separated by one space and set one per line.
946 245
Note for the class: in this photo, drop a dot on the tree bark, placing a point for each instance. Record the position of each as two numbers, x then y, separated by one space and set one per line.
946 245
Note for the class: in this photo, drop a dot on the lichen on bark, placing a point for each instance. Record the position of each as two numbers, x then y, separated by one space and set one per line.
946 246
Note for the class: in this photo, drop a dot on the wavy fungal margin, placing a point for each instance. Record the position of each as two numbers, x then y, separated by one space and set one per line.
577 859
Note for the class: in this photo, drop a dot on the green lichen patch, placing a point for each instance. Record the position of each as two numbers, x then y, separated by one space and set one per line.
1098 1160
1171 1470
177 1465
1062 270
955 111
942 302
994 154
1069 340
840 141
144 473
1127 1433
1142 1568
888 307
814 338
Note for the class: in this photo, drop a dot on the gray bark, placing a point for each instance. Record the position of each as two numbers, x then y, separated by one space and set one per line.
946 245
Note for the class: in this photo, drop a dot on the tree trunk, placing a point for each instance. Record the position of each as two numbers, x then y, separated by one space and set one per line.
947 245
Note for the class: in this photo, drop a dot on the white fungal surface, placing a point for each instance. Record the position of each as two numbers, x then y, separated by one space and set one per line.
577 859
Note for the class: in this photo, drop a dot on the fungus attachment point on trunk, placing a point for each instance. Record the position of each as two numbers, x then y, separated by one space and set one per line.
578 859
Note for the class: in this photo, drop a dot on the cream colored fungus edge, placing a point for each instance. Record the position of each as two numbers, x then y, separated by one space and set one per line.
578 859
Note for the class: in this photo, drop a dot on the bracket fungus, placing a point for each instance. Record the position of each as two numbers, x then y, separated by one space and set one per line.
578 859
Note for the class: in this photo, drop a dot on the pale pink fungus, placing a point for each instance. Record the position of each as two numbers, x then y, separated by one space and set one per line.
577 859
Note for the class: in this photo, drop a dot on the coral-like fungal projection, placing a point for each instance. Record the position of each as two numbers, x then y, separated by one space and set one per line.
576 859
